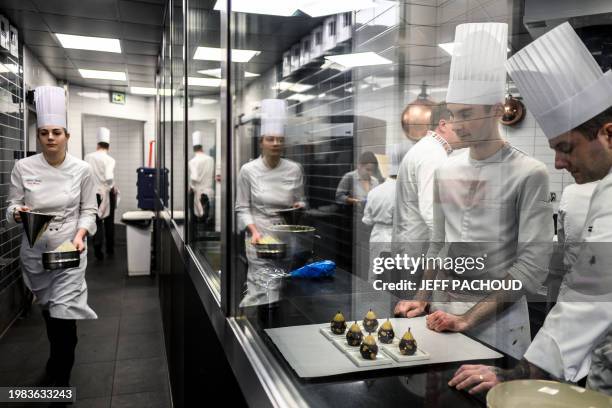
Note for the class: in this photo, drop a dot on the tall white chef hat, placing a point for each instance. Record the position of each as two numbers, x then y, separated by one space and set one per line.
477 72
196 138
273 117
103 135
50 106
560 81
396 153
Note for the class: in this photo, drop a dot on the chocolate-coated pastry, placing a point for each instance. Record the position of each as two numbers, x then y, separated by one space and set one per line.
338 324
368 348
370 322
386 333
408 345
354 335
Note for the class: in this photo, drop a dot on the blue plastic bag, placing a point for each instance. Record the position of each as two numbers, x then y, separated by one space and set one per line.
319 269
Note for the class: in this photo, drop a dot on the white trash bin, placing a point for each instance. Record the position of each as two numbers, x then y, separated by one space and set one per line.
139 227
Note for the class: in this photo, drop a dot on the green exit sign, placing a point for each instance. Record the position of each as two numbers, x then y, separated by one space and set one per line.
118 97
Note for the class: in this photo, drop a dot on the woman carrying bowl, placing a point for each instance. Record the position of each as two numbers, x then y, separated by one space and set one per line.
265 186
54 182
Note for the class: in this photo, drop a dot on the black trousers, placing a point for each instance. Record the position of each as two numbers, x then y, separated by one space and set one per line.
203 223
106 227
62 335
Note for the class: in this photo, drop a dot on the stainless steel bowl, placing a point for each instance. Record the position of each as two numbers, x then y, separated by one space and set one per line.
61 260
275 250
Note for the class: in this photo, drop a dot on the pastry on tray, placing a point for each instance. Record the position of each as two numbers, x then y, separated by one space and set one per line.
368 348
408 345
338 323
354 335
370 322
386 333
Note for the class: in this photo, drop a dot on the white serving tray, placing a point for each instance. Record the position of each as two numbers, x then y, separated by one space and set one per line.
311 354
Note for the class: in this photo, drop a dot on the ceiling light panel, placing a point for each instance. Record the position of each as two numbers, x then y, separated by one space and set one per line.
110 75
80 42
360 59
217 54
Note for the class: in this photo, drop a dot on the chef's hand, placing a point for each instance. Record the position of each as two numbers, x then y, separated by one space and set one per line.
16 215
409 308
352 201
255 237
441 321
78 243
78 239
476 378
298 205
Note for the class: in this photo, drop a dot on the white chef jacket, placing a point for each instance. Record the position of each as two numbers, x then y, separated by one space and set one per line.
103 171
378 211
68 192
201 176
499 206
573 208
577 325
260 193
413 218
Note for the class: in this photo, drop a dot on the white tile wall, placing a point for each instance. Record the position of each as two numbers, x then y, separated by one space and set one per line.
127 138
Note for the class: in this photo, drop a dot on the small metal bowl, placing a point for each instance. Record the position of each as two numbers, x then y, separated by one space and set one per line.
61 260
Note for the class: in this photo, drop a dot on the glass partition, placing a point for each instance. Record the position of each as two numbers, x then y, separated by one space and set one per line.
203 135
328 99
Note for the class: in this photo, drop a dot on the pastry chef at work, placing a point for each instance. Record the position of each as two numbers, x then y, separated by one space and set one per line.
266 185
571 100
490 200
54 182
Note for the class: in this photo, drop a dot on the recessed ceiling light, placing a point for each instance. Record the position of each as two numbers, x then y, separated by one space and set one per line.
93 95
197 81
290 86
360 59
216 72
204 101
110 75
80 42
139 90
300 97
217 54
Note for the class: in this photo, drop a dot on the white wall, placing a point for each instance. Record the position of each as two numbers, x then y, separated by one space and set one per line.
126 148
87 101
34 73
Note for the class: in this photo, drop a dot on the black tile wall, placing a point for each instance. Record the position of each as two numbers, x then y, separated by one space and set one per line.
11 143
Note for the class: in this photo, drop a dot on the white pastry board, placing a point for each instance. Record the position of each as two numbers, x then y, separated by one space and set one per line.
309 351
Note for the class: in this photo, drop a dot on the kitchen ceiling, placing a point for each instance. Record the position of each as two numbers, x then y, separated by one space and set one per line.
137 24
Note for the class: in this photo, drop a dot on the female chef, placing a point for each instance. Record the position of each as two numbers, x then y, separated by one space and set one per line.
266 185
56 183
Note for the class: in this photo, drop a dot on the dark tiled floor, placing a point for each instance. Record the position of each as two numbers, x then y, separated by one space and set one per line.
120 360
